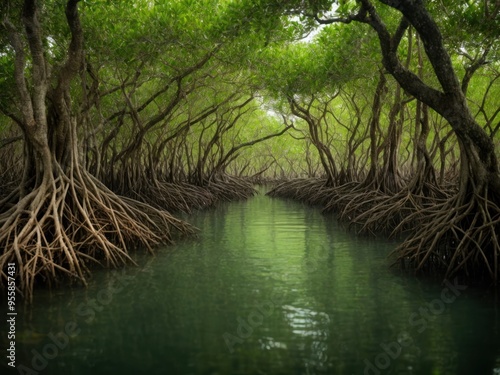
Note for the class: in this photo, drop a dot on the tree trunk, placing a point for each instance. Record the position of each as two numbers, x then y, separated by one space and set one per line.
479 165
390 179
62 217
461 234
378 98
325 155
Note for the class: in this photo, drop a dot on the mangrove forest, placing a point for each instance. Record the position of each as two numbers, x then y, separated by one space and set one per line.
246 187
120 119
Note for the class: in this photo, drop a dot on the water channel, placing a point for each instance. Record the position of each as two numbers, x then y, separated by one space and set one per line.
270 286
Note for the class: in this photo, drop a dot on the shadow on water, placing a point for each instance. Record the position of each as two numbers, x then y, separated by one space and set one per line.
269 287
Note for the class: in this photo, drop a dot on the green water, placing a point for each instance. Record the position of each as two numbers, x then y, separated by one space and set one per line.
269 287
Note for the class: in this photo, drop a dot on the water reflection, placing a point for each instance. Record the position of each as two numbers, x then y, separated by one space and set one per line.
269 287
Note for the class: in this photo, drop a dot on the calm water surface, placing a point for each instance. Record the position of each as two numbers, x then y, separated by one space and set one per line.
269 287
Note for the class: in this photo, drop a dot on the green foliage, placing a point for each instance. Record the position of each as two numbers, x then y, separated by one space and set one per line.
138 49
7 82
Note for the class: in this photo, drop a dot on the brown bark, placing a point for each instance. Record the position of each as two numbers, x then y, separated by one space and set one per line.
63 217
378 98
479 165
459 234
325 155
390 180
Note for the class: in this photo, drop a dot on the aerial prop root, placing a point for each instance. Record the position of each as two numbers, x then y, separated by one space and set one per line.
228 188
395 214
71 221
309 190
458 236
174 197
184 197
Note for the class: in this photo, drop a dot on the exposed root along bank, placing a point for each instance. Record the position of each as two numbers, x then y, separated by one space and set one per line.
173 197
445 234
374 211
185 197
313 191
455 238
228 188
69 222
58 230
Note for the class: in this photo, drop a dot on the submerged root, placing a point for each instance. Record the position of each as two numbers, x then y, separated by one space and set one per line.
61 227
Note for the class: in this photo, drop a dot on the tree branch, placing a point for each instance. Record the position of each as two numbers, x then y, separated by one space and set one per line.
473 67
432 39
19 76
250 143
75 49
7 141
359 16
40 68
406 78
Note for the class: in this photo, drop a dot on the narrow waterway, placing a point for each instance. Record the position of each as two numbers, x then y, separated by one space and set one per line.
269 287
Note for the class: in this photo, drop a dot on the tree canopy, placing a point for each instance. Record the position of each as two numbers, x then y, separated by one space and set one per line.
114 114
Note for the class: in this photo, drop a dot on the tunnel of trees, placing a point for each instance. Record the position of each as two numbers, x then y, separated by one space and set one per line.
116 116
